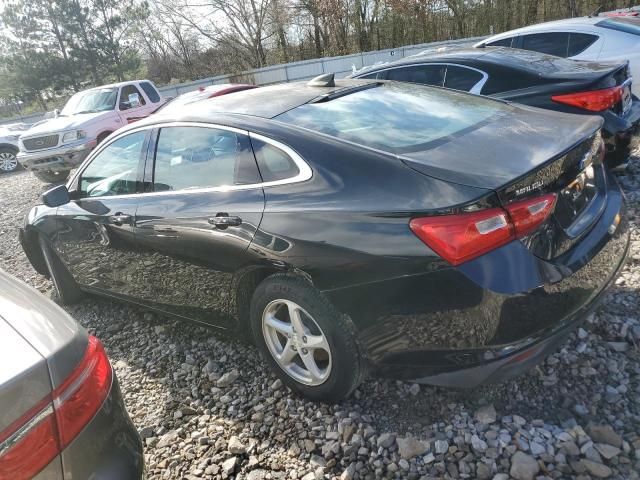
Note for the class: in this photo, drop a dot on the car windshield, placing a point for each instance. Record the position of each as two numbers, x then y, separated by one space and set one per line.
98 100
396 117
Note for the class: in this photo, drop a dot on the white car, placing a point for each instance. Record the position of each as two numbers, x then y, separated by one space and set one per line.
9 135
599 38
50 149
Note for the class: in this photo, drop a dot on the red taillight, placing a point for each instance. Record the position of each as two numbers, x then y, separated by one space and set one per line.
460 238
594 101
527 215
32 441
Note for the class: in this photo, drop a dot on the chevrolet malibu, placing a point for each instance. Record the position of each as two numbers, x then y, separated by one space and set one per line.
61 411
348 227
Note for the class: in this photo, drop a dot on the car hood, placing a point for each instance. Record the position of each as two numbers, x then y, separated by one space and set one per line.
67 123
504 148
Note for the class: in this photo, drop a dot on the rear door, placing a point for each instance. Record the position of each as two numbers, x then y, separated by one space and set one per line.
202 209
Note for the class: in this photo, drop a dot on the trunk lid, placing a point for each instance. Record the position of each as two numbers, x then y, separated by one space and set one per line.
524 154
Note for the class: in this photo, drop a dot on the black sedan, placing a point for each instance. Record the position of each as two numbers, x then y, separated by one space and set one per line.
350 227
534 79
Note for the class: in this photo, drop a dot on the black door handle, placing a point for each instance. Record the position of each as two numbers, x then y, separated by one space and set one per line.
223 220
119 219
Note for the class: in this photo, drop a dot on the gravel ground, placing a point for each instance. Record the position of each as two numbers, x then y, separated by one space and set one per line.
207 407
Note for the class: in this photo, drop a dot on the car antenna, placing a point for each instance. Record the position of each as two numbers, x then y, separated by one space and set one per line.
596 12
324 80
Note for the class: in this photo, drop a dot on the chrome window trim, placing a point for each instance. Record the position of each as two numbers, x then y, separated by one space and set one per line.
304 170
476 89
19 434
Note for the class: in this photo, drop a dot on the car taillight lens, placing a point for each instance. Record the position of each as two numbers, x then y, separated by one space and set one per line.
463 237
594 101
31 442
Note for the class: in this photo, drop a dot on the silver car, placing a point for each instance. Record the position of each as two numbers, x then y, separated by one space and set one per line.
61 411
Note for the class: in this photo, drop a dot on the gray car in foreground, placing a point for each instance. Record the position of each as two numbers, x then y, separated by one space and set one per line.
61 411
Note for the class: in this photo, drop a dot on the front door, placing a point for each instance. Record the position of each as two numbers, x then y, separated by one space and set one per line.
132 105
197 222
95 239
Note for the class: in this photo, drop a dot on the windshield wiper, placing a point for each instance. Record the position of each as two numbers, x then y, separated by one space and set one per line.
86 111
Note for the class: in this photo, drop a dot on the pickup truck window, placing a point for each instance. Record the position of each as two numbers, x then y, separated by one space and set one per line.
151 92
126 93
89 101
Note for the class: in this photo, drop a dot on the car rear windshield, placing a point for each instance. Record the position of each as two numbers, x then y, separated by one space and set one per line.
622 24
396 117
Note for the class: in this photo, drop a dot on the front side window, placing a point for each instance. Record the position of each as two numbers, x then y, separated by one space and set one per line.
552 43
504 42
461 78
114 170
130 97
396 117
91 101
423 74
200 157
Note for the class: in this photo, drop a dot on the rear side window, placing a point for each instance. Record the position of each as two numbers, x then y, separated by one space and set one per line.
397 117
151 92
423 74
579 42
622 24
371 76
504 42
552 43
461 78
198 157
274 164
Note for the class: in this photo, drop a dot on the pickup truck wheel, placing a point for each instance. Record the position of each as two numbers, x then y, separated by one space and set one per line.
8 160
49 176
67 290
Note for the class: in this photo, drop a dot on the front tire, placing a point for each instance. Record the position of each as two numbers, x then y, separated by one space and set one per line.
8 160
49 176
310 346
66 289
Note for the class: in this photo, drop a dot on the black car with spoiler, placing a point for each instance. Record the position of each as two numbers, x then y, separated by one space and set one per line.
531 78
349 226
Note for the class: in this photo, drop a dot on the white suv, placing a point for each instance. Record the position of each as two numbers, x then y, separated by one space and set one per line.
50 149
597 38
9 135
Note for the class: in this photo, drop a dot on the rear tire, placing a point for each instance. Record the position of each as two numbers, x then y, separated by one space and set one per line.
318 357
49 176
8 160
66 289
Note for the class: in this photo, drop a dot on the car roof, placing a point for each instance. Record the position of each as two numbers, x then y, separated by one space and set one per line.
564 23
443 54
265 102
113 85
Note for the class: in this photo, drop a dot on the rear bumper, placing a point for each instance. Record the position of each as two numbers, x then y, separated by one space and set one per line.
109 447
57 159
490 318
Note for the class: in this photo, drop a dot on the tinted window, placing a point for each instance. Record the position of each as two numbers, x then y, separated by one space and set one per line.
274 164
125 97
371 76
622 24
424 74
505 42
198 157
460 78
114 170
579 42
395 117
553 43
151 92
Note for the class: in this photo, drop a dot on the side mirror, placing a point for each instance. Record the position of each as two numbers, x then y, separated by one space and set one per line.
134 100
56 196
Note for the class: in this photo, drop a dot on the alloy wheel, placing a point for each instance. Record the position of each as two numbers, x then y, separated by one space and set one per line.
8 161
296 342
